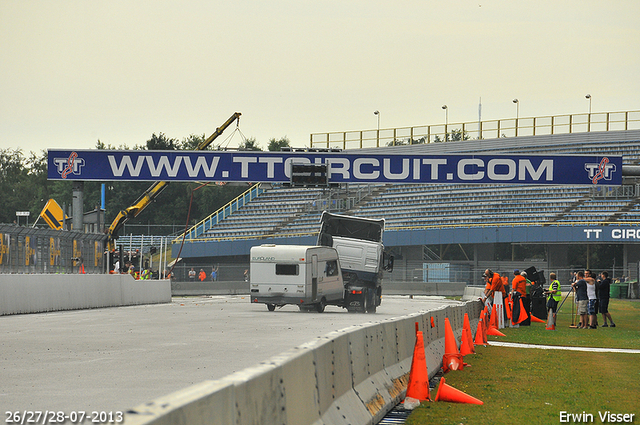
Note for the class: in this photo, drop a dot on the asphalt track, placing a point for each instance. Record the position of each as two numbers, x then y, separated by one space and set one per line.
113 359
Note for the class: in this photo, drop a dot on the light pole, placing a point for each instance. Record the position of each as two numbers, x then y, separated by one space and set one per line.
377 113
517 102
446 122
588 97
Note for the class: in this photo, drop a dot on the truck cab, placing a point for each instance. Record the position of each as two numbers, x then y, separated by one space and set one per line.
358 242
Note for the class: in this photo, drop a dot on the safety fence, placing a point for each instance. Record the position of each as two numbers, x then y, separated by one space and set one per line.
492 129
35 250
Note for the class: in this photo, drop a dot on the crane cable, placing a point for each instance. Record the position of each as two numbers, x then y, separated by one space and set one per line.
228 139
186 226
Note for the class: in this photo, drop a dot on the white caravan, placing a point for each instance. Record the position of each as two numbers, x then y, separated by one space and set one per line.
308 276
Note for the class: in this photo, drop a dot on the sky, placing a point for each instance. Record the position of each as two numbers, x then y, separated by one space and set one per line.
73 72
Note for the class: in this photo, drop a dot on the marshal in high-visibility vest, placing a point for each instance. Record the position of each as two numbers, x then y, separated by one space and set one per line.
554 293
53 214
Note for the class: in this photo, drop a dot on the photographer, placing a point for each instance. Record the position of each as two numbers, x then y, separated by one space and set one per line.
580 286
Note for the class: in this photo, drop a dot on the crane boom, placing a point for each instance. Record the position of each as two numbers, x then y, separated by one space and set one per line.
155 189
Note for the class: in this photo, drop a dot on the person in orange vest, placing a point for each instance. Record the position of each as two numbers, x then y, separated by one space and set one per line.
202 276
496 285
518 291
493 284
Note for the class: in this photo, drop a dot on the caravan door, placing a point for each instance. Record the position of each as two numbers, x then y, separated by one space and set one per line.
314 277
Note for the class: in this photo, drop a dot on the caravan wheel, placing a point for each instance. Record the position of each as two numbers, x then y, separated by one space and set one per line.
271 307
321 305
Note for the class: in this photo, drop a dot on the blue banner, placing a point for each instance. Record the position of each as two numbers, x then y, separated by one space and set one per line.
343 167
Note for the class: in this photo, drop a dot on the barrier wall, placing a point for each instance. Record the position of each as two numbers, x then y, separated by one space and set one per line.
352 376
35 293
181 288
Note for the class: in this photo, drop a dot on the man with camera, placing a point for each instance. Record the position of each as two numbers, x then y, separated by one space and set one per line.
582 299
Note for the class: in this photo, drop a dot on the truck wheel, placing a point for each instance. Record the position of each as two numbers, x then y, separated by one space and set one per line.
271 307
370 302
365 302
321 305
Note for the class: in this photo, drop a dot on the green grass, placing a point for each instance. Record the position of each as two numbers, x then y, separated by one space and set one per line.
532 386
626 334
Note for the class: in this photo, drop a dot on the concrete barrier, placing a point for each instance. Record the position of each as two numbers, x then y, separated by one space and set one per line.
36 293
447 289
473 293
182 288
352 376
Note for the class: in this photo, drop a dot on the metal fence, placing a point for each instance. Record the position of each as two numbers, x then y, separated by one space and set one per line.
492 129
34 250
415 271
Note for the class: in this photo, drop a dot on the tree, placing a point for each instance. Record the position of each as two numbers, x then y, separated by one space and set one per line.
276 145
453 135
249 145
192 142
161 143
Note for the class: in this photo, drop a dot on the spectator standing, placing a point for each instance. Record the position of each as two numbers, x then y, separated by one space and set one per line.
592 294
582 299
192 275
603 298
202 276
214 273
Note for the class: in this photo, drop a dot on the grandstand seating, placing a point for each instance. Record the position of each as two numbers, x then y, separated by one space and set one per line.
283 212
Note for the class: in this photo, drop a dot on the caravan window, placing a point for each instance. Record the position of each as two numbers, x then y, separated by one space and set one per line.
331 268
287 269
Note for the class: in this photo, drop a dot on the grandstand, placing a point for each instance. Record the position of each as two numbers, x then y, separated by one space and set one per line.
429 214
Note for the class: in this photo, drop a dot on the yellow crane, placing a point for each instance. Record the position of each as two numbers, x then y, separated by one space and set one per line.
154 190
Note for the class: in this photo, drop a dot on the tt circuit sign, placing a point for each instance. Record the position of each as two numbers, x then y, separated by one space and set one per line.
612 234
342 167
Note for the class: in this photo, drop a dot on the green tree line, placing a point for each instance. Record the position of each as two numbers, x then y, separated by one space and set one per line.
24 186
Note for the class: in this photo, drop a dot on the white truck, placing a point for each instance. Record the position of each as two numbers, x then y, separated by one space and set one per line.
362 258
308 276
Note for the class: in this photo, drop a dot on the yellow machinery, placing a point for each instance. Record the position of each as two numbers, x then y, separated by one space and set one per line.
154 190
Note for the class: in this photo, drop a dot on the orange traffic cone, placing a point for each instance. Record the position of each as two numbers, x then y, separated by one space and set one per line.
82 268
535 319
509 302
466 344
450 394
551 322
483 319
418 388
452 359
494 318
523 314
493 325
494 331
479 340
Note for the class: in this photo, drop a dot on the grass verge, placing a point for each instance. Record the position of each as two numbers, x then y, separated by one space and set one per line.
535 386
